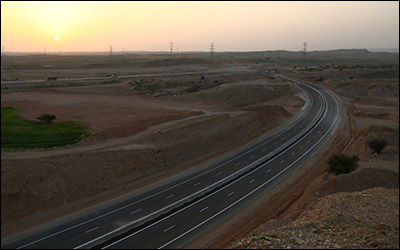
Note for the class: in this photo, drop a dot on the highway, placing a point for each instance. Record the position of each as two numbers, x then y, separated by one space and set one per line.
171 214
60 81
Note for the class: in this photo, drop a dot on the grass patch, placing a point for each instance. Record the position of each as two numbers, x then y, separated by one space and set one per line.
20 133
318 231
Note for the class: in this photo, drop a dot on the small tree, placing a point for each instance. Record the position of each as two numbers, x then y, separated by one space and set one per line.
342 164
377 145
47 118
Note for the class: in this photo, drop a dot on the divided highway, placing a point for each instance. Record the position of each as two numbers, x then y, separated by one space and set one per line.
170 214
60 81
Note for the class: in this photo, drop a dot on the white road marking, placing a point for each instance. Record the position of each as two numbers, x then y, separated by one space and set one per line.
204 209
251 156
170 196
264 149
169 228
273 143
198 183
237 164
90 230
230 193
292 153
268 170
219 173
282 161
301 147
252 181
135 211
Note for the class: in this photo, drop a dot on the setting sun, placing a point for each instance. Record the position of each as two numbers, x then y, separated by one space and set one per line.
57 38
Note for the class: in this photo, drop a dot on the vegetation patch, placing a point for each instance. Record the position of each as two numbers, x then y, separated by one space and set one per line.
342 164
377 145
20 133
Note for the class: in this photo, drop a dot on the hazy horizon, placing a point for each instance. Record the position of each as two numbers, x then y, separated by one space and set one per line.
85 27
377 50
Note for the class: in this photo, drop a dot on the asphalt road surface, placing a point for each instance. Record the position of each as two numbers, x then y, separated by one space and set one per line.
171 214
61 81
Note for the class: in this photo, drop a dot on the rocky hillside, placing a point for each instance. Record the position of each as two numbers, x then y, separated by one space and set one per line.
363 219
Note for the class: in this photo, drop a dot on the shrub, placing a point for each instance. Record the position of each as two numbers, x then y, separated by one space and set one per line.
342 164
47 118
377 145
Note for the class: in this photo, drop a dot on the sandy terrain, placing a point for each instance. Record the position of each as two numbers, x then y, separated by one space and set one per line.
137 139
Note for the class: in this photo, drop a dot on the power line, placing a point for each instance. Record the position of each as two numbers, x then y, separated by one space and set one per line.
304 50
212 51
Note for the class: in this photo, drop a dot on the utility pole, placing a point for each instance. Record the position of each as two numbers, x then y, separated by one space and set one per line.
304 50
4 53
171 46
212 51
45 50
110 50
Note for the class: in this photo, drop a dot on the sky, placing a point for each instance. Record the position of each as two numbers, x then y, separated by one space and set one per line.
32 26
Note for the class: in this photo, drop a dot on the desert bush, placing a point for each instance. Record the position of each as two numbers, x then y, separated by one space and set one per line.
342 164
377 145
47 118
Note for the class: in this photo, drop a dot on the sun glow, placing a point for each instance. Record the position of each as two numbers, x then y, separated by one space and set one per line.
192 25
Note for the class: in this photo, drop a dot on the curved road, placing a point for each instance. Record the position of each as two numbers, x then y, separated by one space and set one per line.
173 213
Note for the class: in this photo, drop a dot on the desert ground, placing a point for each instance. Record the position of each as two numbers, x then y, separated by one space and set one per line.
145 130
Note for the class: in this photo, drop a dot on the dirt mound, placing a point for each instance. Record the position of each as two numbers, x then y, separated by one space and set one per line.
372 89
341 220
361 179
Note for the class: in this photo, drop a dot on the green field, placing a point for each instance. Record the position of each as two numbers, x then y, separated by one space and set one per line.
19 133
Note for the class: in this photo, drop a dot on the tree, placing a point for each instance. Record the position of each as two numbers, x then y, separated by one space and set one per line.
47 118
377 145
342 164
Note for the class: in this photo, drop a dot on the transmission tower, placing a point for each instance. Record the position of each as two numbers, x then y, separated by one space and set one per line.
110 50
171 46
4 53
45 50
212 51
304 50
